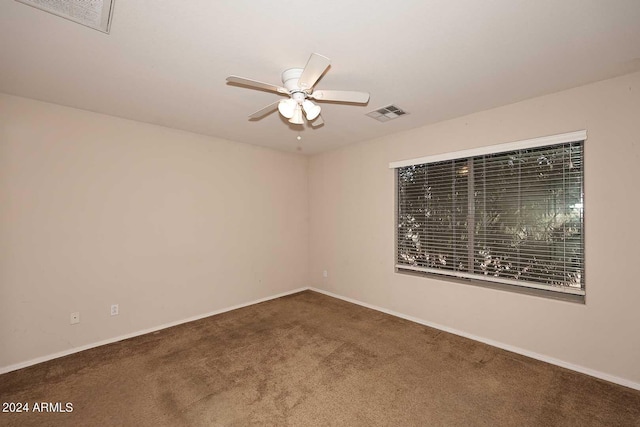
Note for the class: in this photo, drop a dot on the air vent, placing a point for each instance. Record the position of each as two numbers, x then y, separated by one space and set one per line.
387 113
95 14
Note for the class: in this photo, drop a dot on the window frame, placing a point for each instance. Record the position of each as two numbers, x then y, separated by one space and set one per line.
532 288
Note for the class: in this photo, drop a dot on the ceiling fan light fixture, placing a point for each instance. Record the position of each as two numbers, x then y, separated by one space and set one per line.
297 117
311 110
287 107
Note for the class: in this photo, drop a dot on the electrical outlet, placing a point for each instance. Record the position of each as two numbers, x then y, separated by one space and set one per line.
115 310
325 273
75 318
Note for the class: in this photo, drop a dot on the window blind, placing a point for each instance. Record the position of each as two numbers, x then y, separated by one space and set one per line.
514 217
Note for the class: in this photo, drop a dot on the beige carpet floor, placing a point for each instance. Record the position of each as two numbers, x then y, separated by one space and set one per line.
311 360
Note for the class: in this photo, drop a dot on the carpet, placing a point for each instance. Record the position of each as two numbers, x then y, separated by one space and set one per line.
310 360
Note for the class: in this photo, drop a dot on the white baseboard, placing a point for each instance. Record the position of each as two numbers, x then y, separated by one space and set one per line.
533 355
5 369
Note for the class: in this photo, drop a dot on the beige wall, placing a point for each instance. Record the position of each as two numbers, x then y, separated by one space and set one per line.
352 230
97 210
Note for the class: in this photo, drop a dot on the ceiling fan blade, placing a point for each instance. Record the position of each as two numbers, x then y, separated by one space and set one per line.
315 67
317 122
341 96
264 111
256 84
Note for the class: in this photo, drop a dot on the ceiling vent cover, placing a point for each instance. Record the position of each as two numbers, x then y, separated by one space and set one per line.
95 14
387 113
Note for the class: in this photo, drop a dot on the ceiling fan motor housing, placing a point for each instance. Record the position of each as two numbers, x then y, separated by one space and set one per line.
290 79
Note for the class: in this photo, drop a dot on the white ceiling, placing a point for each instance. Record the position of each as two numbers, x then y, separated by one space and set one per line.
165 62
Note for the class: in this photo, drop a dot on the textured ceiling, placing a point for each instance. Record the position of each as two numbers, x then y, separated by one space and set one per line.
165 62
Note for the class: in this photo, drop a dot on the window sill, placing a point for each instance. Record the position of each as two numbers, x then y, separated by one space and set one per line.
560 296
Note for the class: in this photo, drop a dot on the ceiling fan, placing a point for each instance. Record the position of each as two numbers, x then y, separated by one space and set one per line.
297 84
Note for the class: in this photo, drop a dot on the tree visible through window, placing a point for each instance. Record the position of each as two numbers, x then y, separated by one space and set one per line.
513 217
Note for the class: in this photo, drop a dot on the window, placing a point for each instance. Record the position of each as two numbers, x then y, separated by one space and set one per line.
510 214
